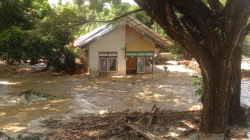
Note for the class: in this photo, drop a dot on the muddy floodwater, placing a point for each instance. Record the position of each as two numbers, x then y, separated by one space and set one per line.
85 94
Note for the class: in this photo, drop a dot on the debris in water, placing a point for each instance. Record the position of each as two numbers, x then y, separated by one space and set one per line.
27 95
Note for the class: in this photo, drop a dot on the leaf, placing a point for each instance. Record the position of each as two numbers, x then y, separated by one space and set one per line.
140 120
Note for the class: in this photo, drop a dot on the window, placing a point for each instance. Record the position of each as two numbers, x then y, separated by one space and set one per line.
108 61
84 53
140 64
103 65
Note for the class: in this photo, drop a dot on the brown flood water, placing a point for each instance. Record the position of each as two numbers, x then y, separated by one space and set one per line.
85 94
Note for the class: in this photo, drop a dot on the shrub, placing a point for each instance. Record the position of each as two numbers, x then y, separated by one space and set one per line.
159 59
63 60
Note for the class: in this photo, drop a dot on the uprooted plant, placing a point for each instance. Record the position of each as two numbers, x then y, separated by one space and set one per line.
27 95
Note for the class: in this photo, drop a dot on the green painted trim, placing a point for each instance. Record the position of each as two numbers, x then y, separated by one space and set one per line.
139 54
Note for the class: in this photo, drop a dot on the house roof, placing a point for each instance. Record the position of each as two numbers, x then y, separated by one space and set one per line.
88 35
146 30
96 34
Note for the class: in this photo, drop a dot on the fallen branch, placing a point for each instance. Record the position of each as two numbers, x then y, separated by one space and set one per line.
69 111
103 116
115 122
153 111
141 132
11 96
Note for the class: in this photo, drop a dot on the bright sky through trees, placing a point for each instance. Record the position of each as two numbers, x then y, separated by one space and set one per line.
52 2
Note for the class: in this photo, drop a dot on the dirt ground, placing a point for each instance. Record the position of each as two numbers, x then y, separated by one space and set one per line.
95 95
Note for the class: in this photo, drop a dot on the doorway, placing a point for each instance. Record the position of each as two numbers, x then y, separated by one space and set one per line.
131 65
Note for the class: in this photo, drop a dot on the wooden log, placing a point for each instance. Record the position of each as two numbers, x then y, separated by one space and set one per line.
141 132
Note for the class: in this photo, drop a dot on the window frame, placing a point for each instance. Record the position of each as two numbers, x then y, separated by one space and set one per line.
108 57
144 65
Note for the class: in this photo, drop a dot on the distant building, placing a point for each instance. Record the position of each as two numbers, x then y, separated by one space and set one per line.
125 48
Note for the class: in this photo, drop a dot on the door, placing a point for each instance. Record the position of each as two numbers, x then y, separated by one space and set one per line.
140 64
131 65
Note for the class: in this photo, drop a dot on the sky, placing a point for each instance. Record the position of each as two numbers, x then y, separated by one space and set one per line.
64 1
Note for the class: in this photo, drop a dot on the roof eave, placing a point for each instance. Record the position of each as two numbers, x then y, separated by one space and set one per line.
145 34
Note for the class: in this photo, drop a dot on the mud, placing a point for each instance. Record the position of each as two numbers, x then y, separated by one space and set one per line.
84 94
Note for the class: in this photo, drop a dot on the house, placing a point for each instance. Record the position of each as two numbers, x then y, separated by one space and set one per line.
125 48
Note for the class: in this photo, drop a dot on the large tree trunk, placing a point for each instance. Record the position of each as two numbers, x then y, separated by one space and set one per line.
236 112
222 90
212 35
216 98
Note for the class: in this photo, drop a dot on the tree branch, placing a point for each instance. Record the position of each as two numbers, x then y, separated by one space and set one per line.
199 16
192 39
215 4
84 21
162 12
135 11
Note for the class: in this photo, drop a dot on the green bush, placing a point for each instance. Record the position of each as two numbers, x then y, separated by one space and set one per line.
63 60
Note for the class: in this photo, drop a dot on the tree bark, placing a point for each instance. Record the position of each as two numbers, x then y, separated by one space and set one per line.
216 97
236 112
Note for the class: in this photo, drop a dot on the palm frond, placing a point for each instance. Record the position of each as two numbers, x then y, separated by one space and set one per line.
4 136
27 95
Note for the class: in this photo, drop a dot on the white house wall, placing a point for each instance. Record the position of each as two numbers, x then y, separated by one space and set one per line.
113 42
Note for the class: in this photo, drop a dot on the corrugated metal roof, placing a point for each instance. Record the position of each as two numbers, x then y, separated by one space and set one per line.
97 36
88 35
132 22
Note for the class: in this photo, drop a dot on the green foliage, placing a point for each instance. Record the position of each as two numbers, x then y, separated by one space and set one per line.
159 59
98 5
246 46
11 44
223 2
198 82
248 123
4 136
242 56
220 33
14 13
34 30
62 60
140 120
175 49
39 10
27 95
